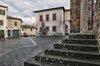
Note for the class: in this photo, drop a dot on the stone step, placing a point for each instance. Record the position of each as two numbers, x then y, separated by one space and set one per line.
81 45
66 61
76 47
79 41
30 64
82 36
73 54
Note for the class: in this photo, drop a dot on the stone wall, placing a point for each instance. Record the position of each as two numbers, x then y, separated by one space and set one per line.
82 16
88 24
84 19
75 16
97 6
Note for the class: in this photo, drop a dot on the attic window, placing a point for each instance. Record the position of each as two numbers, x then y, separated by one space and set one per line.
41 17
15 23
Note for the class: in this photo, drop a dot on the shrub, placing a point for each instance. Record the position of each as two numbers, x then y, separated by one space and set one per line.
1 35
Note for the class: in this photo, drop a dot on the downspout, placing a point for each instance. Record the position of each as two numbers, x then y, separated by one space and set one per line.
63 22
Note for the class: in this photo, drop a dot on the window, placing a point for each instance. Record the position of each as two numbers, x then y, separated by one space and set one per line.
41 17
31 29
2 12
15 23
47 29
54 28
40 29
54 17
22 29
1 22
47 17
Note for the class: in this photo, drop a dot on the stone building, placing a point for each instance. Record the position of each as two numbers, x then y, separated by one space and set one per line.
9 26
82 16
3 19
29 30
71 52
56 21
13 26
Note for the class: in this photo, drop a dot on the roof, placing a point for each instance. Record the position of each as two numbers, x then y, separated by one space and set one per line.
28 26
11 17
3 6
50 9
67 10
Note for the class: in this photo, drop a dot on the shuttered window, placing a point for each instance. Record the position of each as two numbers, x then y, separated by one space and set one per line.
54 17
41 18
1 22
2 12
47 17
15 23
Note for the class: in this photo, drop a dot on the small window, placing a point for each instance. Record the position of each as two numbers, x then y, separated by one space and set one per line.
1 22
40 29
47 29
47 17
54 17
54 28
2 12
41 17
22 29
31 29
15 23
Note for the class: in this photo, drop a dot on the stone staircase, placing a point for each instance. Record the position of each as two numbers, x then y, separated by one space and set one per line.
78 50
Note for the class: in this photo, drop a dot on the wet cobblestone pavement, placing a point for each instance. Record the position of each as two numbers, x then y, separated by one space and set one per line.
14 52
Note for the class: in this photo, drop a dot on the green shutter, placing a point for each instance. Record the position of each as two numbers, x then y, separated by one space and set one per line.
1 31
15 33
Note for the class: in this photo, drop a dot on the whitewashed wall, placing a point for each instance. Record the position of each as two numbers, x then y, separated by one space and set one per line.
58 22
4 18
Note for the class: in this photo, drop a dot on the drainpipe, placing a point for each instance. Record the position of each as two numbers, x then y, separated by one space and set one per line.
63 22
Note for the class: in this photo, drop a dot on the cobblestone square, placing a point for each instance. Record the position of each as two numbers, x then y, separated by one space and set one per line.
14 52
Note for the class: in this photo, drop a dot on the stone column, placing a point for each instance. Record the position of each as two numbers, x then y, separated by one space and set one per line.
97 14
97 9
84 16
87 17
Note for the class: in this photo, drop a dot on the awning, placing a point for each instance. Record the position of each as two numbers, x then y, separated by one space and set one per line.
1 30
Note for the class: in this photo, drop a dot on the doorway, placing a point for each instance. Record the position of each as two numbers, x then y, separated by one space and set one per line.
9 33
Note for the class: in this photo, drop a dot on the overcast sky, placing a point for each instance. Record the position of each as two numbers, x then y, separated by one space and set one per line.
24 8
